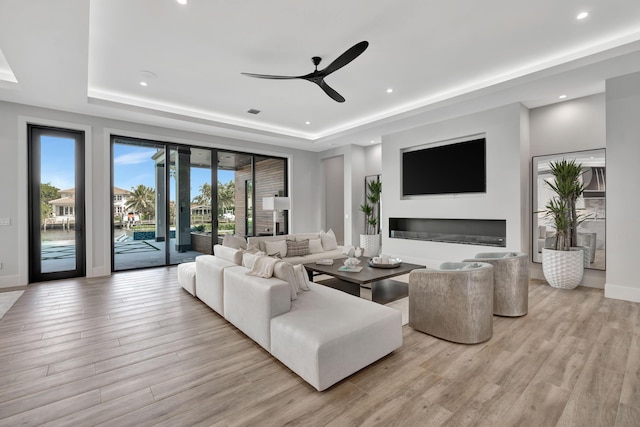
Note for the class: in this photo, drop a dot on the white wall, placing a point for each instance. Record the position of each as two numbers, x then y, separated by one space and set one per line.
623 179
373 160
304 172
507 187
354 172
574 125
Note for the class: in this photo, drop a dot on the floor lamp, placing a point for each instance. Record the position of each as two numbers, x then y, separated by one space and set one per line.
276 204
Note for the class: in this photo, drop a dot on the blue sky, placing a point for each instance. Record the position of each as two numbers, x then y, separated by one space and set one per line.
133 165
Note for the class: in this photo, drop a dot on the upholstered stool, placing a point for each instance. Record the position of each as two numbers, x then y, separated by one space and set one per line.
510 281
453 302
187 276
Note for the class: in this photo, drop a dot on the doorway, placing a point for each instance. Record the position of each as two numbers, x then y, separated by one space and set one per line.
56 203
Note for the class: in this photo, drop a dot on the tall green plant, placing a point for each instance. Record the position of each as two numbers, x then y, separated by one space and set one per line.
562 208
371 206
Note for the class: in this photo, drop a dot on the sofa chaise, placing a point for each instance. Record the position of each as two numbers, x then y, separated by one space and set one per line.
323 335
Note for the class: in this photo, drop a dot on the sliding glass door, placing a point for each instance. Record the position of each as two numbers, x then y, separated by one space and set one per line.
56 203
165 210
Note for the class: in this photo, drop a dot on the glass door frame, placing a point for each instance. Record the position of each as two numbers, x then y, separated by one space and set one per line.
34 133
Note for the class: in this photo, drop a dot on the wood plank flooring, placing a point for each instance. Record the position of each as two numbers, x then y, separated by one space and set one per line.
135 349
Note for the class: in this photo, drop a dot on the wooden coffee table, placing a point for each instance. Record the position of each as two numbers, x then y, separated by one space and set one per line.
371 283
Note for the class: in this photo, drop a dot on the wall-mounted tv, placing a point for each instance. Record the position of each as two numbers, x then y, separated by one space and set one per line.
454 168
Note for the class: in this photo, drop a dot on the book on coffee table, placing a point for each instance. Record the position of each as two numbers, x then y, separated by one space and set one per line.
350 269
324 262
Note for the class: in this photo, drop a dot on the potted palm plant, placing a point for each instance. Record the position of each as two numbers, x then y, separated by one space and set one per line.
563 264
370 240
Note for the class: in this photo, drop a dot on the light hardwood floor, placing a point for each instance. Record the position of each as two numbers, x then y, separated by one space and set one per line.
136 349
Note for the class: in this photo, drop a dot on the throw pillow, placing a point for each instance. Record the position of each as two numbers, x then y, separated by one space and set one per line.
302 277
315 246
263 267
272 247
249 259
284 271
228 253
329 241
262 241
252 249
234 241
297 248
307 236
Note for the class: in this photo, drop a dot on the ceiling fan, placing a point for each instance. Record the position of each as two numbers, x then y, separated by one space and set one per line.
316 76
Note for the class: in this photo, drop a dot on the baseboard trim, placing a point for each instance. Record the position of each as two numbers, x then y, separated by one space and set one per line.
10 281
621 292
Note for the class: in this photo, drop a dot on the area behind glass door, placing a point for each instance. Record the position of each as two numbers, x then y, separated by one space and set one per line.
56 168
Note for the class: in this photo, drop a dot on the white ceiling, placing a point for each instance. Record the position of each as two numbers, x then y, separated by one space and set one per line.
438 57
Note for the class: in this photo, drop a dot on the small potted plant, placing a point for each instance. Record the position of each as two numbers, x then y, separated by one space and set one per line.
370 240
563 264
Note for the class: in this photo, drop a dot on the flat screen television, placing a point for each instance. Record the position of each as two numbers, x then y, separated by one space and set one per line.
445 169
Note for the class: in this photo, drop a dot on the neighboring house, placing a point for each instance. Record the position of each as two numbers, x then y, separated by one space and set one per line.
64 206
201 210
120 198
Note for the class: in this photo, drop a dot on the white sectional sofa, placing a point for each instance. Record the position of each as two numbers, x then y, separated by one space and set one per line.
324 335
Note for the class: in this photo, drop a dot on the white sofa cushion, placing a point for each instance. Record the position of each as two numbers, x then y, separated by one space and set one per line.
328 335
261 240
234 241
329 241
228 254
315 246
302 277
250 302
284 271
209 281
276 247
307 236
187 276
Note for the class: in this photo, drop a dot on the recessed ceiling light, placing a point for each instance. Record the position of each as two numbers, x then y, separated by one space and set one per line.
143 84
582 15
307 123
372 141
562 96
182 1
389 90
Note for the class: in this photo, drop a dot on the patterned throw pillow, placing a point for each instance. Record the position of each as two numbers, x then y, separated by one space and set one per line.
297 248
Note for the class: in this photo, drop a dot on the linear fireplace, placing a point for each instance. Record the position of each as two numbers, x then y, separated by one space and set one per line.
485 232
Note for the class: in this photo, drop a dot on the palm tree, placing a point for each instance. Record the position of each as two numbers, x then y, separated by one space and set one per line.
142 200
204 198
226 196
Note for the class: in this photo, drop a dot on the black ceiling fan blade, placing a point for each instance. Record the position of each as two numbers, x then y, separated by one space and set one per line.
349 55
269 76
330 91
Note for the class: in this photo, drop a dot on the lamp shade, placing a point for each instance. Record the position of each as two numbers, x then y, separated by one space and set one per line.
276 203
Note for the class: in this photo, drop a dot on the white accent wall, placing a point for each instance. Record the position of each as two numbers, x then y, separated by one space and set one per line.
507 151
623 182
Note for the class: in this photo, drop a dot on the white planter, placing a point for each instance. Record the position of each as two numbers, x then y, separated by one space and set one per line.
370 244
563 269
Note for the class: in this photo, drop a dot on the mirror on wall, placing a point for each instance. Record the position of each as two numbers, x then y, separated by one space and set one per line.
592 231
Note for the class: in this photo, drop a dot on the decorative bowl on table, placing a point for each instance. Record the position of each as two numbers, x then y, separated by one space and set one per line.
384 262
